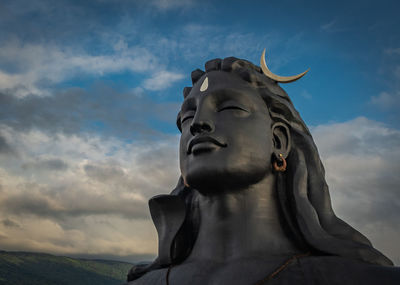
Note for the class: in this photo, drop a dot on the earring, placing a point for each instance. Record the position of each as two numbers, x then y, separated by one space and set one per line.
185 183
283 163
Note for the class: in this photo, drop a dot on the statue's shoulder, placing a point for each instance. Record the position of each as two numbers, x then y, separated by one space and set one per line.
338 270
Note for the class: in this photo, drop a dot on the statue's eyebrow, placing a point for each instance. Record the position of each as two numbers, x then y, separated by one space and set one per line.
229 94
189 103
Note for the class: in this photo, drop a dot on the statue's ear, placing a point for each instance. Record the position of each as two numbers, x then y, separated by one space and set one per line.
281 138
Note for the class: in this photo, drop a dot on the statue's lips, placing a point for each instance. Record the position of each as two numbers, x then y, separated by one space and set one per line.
203 143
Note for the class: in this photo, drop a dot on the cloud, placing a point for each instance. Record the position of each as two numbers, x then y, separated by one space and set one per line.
305 94
10 223
75 110
104 172
79 48
215 41
362 162
392 51
98 203
34 67
386 101
5 147
86 193
79 44
334 26
328 26
171 4
50 164
162 80
204 42
78 165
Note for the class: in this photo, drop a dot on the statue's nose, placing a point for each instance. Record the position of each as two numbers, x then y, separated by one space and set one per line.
201 126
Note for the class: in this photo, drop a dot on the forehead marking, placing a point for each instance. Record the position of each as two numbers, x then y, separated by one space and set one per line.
204 85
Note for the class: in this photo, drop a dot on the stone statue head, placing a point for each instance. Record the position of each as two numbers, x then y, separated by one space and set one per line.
228 137
235 122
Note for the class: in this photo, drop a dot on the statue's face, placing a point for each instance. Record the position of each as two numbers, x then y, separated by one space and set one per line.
226 139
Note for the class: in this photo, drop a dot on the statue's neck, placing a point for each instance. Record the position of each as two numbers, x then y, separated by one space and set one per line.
241 224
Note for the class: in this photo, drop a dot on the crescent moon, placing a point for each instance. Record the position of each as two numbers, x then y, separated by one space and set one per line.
278 78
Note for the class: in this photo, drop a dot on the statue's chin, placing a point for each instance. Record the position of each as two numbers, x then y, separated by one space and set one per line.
208 182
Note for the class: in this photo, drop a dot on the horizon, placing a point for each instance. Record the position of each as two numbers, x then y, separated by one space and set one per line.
127 259
89 94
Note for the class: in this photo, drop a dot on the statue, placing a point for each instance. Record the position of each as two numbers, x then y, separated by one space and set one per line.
252 205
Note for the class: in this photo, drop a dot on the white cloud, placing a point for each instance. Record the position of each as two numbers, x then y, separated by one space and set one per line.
20 84
33 68
386 100
161 80
36 66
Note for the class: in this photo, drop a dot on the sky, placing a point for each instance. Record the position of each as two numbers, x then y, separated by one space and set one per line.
89 92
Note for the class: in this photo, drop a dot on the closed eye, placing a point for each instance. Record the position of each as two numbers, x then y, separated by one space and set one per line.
188 115
186 118
232 107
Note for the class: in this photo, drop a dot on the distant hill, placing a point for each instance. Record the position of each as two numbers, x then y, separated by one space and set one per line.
45 269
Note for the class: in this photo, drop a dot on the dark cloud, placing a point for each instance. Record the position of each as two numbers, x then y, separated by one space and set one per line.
5 147
101 109
104 173
74 203
31 203
10 223
54 164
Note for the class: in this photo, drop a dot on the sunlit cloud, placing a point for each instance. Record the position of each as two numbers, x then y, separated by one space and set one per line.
71 194
362 162
88 194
